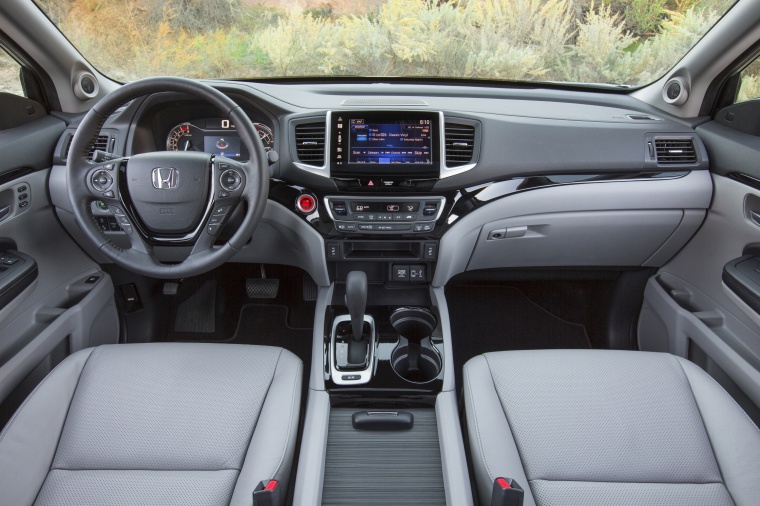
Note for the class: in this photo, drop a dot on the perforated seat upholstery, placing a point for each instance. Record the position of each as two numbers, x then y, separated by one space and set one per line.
154 424
594 427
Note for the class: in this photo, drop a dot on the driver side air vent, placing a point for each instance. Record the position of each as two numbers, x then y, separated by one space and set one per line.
675 151
460 144
310 143
101 143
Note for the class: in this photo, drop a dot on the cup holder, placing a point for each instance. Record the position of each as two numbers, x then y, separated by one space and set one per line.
414 358
429 363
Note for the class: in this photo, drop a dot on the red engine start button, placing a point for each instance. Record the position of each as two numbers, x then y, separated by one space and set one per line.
306 203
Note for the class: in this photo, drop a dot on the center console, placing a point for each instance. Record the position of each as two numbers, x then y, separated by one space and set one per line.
383 349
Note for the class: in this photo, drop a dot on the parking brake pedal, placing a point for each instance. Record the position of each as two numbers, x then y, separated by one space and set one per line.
262 288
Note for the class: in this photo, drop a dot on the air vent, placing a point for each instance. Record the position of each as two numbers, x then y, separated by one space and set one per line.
101 143
675 151
310 143
460 144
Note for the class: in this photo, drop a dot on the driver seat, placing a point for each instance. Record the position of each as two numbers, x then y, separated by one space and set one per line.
159 424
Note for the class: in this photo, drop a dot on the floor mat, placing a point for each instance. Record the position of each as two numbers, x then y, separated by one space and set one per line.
197 312
267 324
500 318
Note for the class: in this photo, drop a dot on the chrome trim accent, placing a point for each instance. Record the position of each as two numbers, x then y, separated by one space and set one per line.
366 374
445 170
206 215
165 178
324 170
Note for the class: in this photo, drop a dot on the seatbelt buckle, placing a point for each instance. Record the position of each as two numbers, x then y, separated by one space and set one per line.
506 492
267 493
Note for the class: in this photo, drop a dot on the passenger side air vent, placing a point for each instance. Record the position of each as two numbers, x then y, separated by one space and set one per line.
101 143
460 144
310 143
675 151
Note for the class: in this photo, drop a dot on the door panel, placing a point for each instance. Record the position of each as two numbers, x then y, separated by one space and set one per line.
69 305
688 308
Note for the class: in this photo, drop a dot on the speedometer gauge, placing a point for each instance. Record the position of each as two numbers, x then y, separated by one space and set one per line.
215 136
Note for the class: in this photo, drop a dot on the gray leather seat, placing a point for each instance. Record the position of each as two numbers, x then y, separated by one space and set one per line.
583 427
154 424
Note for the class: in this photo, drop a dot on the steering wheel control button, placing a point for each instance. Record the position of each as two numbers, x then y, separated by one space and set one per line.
306 203
109 194
221 211
223 194
216 220
214 229
231 179
116 210
102 180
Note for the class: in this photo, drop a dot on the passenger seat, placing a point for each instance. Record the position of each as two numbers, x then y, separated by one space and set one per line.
601 427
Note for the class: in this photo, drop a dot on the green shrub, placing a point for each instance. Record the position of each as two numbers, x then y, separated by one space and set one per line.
548 40
750 88
643 16
194 15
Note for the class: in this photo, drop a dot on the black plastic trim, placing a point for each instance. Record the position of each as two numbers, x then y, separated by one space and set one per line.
50 97
15 278
743 285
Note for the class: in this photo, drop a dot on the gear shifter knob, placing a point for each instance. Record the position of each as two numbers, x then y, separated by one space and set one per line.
356 301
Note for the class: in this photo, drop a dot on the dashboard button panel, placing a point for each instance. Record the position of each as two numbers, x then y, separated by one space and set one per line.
384 215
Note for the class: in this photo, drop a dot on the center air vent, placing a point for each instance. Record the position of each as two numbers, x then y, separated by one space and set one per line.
460 144
675 151
310 143
101 143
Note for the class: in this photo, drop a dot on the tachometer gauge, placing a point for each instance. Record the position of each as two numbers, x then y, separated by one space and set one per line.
267 137
185 137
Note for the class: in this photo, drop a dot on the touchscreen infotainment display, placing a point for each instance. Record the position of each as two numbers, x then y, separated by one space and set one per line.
401 142
385 143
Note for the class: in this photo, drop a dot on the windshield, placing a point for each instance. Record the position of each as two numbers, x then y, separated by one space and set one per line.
604 42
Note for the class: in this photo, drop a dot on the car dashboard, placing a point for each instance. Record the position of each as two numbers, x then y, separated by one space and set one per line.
420 182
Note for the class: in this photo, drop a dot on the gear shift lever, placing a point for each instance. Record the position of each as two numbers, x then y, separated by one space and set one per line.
356 301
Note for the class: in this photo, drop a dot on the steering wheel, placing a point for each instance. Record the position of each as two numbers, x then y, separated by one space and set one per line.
172 205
